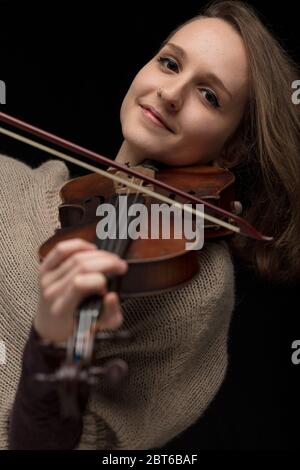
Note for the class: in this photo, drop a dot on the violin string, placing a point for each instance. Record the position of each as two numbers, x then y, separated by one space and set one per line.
91 309
93 305
136 198
107 243
116 245
117 178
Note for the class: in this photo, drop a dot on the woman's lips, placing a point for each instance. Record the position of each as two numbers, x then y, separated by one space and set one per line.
147 113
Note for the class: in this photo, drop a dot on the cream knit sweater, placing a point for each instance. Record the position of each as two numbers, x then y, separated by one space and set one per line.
178 359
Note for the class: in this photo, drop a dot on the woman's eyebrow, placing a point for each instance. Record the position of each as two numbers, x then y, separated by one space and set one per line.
218 82
210 76
178 49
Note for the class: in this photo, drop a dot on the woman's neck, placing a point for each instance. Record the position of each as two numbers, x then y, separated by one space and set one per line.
128 154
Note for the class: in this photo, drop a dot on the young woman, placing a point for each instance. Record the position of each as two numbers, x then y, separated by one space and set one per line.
222 85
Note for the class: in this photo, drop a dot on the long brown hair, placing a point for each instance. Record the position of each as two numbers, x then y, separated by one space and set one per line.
265 151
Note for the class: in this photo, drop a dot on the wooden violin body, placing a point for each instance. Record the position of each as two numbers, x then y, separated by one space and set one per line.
154 264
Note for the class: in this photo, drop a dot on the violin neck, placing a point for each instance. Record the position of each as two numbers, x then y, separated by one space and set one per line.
81 344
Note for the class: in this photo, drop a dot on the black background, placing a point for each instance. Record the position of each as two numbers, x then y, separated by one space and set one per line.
67 68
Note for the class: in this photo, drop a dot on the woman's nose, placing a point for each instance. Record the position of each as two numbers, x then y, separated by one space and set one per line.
172 97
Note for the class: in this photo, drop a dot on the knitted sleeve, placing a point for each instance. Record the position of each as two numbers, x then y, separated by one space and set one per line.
36 421
28 215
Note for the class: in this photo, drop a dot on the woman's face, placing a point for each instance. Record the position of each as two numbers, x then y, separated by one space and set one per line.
198 82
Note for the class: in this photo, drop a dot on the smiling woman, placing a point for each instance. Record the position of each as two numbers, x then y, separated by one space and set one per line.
185 86
219 83
216 93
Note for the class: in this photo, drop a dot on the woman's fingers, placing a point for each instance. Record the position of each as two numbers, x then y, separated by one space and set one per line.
98 260
81 286
62 251
111 317
72 271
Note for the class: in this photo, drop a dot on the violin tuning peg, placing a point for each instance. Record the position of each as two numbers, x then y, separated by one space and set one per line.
93 381
65 373
94 370
115 371
237 207
44 377
40 377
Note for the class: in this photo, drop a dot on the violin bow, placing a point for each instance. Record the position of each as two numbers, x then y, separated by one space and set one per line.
242 227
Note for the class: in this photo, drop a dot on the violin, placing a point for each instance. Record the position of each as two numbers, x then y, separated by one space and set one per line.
155 265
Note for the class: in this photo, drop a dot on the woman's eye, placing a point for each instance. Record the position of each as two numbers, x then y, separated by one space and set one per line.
211 97
168 61
172 65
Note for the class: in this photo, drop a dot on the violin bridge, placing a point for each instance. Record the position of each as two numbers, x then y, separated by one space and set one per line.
121 188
